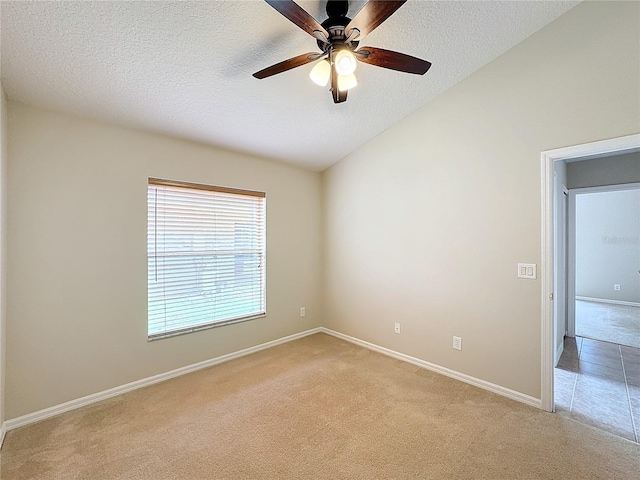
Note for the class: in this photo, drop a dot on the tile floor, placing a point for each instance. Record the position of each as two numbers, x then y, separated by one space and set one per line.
599 383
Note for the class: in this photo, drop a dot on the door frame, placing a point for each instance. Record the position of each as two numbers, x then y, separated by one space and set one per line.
571 255
614 146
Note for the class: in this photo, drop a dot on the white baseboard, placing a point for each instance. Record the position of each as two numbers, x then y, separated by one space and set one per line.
606 300
505 392
46 413
112 392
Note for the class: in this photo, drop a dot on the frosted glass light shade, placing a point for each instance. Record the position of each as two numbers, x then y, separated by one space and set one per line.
346 82
320 73
345 62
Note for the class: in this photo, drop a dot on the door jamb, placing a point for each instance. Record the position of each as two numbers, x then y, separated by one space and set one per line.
618 146
571 264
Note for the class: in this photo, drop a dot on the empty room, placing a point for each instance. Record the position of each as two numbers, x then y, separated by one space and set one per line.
252 239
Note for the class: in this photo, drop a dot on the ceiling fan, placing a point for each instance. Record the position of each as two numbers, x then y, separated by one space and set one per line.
338 38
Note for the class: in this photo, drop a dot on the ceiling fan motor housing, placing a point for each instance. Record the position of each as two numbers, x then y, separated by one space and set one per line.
335 27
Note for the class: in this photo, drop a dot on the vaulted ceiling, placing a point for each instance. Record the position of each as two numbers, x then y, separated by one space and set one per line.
185 68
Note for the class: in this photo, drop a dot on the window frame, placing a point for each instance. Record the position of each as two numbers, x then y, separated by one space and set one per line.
158 182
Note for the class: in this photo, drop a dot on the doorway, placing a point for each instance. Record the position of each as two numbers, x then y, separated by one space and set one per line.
604 243
596 381
549 158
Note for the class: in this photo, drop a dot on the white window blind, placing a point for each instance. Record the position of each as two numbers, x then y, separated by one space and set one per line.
206 256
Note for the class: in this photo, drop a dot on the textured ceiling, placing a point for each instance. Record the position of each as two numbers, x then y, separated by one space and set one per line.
184 68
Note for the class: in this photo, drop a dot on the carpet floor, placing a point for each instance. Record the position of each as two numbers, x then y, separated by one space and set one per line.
315 408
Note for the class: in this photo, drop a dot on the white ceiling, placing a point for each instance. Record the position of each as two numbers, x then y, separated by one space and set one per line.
184 68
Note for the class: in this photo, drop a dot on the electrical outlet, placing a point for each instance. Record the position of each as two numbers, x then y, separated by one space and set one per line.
616 286
396 328
457 343
303 311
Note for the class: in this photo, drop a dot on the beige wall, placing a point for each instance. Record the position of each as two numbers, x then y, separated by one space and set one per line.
3 247
77 285
425 224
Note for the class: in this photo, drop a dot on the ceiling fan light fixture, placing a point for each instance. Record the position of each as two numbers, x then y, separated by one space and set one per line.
321 73
345 62
346 82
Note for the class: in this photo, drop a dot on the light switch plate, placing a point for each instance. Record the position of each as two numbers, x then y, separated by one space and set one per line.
527 270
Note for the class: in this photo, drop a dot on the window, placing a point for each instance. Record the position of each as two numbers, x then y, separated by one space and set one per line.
205 255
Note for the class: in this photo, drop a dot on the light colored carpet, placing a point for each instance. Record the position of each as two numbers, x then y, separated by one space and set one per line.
608 322
316 408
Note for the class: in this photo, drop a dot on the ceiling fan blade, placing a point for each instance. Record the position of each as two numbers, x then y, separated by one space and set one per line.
338 96
298 15
373 14
288 64
392 60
